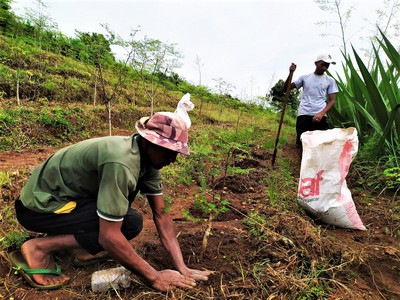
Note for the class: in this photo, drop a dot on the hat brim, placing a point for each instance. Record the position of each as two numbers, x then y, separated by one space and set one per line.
328 62
161 141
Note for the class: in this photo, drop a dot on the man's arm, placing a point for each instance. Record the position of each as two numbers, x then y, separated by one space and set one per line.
292 68
328 106
115 243
166 231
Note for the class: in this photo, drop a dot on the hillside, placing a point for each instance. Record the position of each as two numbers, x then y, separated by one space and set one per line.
261 243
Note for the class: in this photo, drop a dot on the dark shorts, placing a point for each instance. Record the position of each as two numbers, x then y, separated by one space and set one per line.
82 222
306 123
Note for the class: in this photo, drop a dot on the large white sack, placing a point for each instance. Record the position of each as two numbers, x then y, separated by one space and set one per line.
327 155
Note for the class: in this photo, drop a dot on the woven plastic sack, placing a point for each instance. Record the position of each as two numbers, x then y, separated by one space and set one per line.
185 105
325 163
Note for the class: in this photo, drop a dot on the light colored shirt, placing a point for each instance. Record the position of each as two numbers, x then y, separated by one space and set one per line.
316 89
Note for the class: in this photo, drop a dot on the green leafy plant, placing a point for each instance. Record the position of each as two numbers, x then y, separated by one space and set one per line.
168 203
317 286
189 217
368 98
4 178
10 238
253 221
393 174
212 207
232 170
13 239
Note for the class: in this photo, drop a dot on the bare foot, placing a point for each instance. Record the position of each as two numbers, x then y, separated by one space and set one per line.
37 258
83 255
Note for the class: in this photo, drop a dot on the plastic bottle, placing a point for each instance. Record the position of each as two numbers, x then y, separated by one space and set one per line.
114 278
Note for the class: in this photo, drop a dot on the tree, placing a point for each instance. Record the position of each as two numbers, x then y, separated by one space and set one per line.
150 58
387 21
199 65
40 21
276 97
102 54
334 6
93 48
7 18
224 89
18 56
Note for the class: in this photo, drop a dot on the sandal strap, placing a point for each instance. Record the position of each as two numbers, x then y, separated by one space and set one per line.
57 271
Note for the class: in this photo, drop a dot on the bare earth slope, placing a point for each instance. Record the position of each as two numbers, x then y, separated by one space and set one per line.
355 264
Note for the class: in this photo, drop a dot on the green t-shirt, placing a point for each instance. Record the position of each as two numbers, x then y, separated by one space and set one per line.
107 169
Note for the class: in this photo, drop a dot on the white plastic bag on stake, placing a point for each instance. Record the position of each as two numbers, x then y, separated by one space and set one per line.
185 105
325 163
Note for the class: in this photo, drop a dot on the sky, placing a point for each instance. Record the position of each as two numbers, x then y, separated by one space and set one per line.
249 44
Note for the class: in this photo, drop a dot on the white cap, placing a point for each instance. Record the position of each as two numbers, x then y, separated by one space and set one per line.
326 58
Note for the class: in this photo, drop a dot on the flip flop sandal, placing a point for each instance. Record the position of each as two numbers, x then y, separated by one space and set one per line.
19 264
82 263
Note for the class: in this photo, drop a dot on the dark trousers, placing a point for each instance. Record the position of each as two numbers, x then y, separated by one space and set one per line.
82 222
306 123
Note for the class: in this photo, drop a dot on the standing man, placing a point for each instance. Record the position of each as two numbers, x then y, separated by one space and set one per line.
318 88
81 198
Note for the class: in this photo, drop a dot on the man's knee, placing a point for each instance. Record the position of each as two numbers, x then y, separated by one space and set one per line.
132 224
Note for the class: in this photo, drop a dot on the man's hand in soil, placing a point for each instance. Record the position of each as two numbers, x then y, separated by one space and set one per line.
196 274
168 279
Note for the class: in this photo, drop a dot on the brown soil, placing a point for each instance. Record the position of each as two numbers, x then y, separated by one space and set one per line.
355 264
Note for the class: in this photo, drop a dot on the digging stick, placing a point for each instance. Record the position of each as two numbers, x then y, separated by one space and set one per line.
282 115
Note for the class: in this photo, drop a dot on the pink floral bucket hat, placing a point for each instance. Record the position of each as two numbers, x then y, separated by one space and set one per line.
165 129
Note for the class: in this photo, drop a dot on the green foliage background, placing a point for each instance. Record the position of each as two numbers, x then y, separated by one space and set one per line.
54 88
